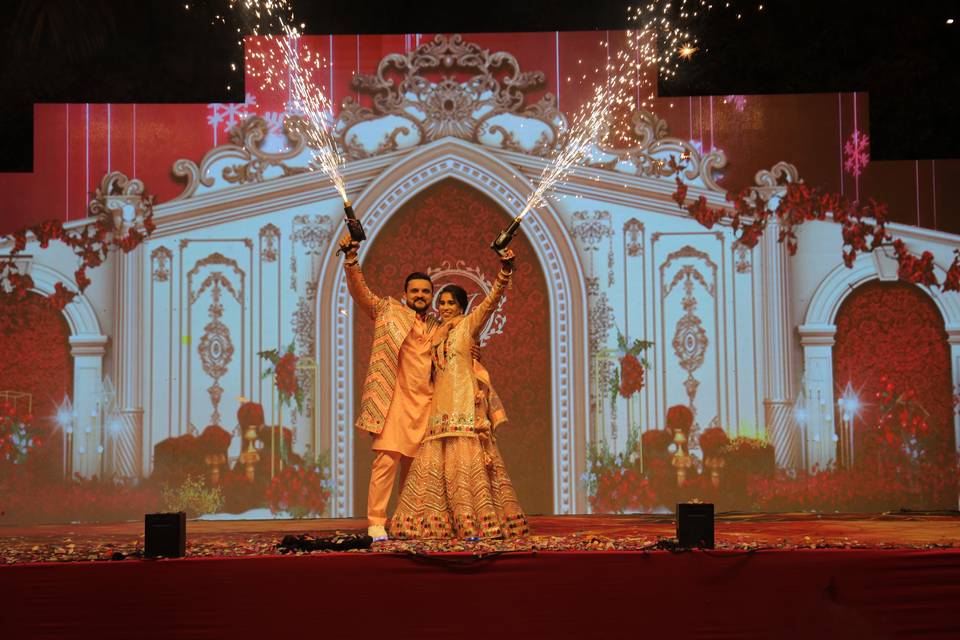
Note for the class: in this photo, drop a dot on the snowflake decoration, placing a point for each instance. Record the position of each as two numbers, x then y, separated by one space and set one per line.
856 153
739 102
274 120
228 115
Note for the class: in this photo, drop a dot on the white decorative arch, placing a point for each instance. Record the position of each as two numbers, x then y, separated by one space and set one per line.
79 313
817 338
838 284
454 158
87 347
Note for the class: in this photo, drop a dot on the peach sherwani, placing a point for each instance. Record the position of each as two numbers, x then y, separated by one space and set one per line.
397 390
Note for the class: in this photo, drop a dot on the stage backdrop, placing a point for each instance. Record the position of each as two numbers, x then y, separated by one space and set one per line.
643 358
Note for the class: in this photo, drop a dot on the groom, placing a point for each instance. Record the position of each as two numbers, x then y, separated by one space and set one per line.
397 390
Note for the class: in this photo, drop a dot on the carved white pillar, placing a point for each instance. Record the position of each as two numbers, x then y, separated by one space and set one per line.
817 341
87 351
127 438
779 391
953 339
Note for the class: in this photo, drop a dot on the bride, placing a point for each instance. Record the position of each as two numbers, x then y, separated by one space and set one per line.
458 485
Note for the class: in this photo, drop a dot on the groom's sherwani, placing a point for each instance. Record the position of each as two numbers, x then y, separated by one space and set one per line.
397 390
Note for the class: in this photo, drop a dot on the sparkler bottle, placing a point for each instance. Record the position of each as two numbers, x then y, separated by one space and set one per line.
506 236
353 224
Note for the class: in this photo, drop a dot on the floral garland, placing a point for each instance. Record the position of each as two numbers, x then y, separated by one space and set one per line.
863 225
91 243
284 368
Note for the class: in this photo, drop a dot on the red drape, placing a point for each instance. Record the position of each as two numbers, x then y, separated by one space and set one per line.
776 594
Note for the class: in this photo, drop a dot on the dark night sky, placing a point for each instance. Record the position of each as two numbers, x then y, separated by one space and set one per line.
904 54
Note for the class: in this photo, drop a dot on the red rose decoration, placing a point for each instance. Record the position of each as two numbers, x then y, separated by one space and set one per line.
656 442
214 439
631 375
300 491
287 374
952 281
713 440
284 372
250 414
679 417
863 225
91 244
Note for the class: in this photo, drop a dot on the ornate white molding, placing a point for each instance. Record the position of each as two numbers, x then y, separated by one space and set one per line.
79 313
479 97
122 201
128 363
817 334
778 349
953 334
88 345
651 156
838 284
242 160
769 183
453 158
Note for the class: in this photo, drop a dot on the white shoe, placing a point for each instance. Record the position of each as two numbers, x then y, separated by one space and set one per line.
377 532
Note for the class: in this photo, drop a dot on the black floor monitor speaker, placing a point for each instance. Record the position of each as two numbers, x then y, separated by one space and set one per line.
165 535
695 525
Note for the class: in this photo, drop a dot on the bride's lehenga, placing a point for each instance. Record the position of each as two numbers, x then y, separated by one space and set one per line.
458 484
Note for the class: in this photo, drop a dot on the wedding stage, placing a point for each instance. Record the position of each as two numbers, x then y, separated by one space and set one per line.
771 575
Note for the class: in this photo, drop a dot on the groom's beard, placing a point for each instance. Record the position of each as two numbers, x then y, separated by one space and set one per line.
420 305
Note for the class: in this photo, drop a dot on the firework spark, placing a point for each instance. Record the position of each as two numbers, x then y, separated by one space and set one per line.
287 63
627 81
592 124
654 48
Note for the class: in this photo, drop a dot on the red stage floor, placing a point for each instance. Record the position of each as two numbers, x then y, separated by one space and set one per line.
865 577
46 543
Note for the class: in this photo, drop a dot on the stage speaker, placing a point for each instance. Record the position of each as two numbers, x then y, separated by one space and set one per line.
165 534
695 525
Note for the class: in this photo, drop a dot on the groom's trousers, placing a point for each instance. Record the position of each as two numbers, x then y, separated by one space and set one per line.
386 464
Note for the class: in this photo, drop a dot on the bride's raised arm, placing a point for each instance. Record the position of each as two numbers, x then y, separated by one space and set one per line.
479 315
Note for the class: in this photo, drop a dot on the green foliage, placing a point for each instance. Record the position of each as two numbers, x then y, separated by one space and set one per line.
627 381
193 497
635 348
602 461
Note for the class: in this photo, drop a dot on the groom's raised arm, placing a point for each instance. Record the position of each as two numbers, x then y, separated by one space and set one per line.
366 299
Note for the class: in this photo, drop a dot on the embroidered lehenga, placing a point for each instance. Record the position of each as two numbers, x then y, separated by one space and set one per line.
458 485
